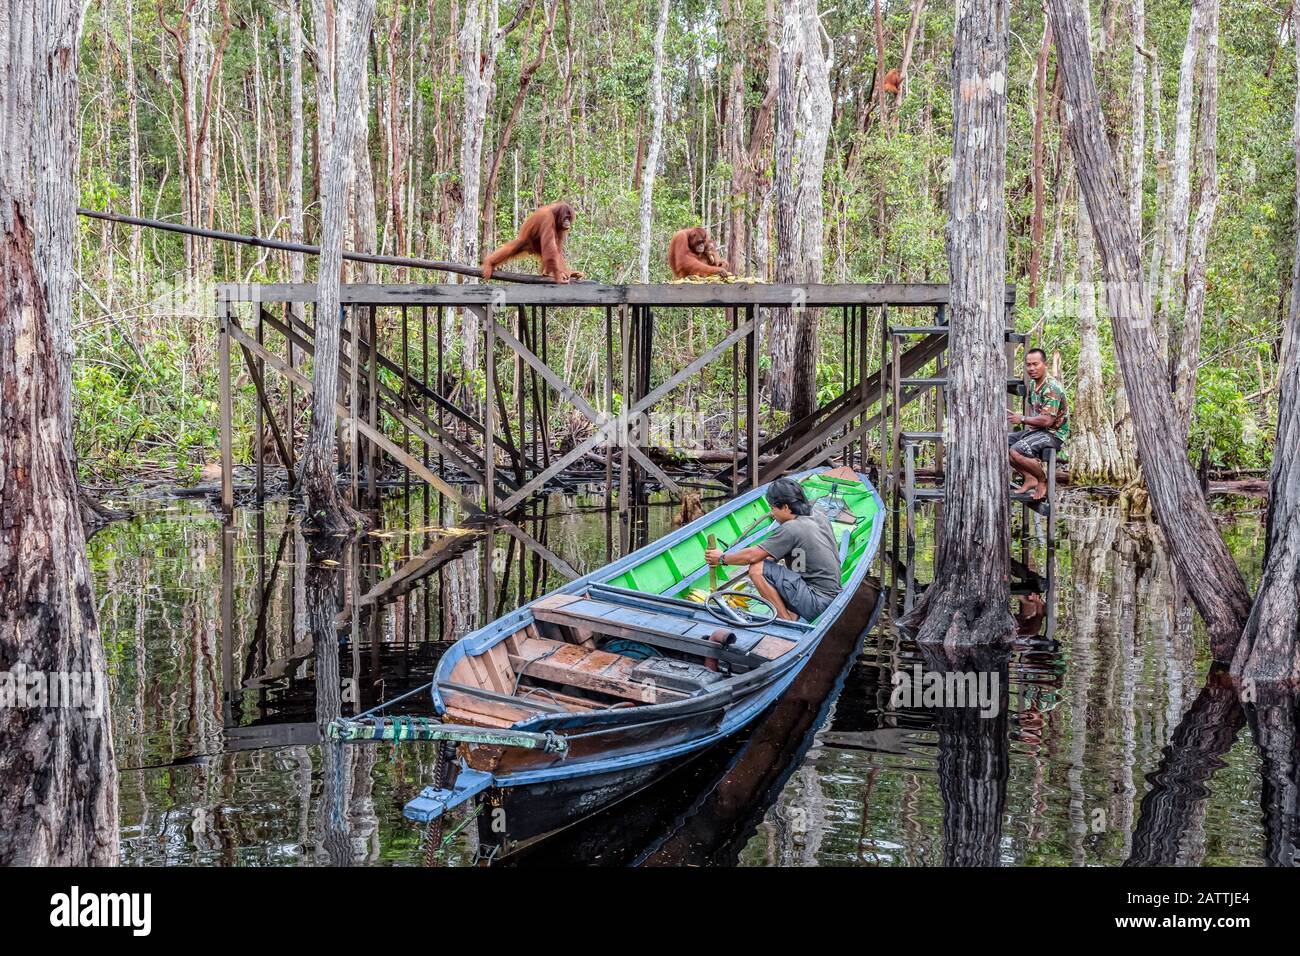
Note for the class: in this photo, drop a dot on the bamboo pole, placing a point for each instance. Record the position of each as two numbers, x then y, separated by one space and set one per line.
435 265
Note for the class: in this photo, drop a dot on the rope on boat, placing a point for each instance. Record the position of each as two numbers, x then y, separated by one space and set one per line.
425 728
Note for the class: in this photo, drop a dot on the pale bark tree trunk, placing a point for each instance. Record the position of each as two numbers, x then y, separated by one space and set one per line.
58 777
909 45
782 329
1188 355
803 110
815 113
1093 456
969 601
1211 576
741 172
1270 647
340 34
1137 106
133 151
1040 120
297 261
882 104
478 74
1175 242
656 138
365 225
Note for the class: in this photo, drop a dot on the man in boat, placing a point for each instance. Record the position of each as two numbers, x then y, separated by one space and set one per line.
1047 425
810 578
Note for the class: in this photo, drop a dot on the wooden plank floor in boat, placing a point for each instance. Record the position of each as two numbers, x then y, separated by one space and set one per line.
589 617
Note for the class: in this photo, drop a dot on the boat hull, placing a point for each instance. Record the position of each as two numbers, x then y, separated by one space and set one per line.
610 753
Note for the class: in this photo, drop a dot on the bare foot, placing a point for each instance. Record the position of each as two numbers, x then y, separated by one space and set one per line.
1028 486
1040 491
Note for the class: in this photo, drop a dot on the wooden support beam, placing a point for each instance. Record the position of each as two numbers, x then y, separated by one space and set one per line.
264 402
453 447
608 426
488 317
227 451
751 400
667 294
532 544
372 411
433 395
379 438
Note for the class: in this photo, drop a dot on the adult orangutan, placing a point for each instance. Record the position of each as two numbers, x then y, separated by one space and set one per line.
542 235
692 253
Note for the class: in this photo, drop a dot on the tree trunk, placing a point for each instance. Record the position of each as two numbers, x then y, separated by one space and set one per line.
1137 107
782 328
1093 455
656 138
58 778
909 44
365 226
1270 647
1188 356
815 112
1211 576
969 601
1175 243
340 41
882 105
1040 119
297 262
133 151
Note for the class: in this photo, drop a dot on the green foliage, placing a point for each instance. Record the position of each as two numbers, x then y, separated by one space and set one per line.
1223 421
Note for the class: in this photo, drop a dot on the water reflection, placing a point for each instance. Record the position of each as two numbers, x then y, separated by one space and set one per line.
1111 742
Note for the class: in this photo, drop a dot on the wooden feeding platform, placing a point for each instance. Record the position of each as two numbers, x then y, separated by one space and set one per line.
399 404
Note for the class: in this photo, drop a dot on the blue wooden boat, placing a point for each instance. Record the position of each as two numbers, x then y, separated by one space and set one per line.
595 690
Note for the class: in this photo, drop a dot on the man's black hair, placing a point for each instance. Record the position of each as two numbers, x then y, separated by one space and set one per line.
787 491
1039 351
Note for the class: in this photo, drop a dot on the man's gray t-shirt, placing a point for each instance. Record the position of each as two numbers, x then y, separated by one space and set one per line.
813 538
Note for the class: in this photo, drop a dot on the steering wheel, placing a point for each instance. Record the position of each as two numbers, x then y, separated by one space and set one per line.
718 605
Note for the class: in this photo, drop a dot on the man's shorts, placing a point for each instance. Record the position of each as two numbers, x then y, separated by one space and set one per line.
795 592
1033 442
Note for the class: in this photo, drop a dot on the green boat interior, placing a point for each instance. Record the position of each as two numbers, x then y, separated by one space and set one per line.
643 636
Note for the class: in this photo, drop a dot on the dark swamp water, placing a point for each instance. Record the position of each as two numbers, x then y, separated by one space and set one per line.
1110 744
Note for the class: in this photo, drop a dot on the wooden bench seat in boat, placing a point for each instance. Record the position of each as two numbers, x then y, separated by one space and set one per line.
578 666
588 617
467 704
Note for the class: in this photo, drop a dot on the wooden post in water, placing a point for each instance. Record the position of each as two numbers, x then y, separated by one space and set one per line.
751 400
227 454
260 365
354 387
372 406
609 405
489 413
624 425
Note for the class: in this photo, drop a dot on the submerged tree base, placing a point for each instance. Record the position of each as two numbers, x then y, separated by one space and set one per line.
948 614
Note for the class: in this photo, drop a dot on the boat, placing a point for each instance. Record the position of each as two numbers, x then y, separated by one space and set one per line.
597 689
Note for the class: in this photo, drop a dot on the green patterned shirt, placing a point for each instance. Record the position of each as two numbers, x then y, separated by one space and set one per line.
1049 399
